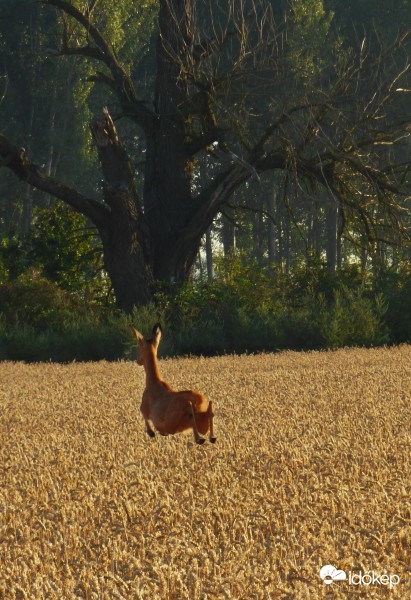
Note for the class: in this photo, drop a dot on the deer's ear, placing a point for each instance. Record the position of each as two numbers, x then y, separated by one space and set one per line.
157 332
138 335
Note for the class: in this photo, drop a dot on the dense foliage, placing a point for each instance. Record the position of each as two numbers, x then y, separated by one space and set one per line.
245 308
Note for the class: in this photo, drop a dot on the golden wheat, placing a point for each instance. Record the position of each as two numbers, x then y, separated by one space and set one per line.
311 467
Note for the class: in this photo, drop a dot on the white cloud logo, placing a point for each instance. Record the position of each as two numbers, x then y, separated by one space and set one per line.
328 574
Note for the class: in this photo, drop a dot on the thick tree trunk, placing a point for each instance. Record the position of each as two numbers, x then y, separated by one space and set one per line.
168 171
127 242
167 202
127 268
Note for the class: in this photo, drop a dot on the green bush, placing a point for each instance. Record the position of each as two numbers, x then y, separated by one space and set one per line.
13 257
41 321
354 320
396 290
35 301
248 308
88 342
244 309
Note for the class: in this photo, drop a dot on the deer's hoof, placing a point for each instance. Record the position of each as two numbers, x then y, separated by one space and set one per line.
151 433
200 441
213 440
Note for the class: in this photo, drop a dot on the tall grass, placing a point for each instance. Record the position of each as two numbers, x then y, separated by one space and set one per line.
310 468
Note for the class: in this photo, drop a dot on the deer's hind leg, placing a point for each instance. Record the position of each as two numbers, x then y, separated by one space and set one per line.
197 436
212 438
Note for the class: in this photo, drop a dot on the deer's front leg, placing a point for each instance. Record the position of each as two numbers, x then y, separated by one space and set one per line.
145 411
149 429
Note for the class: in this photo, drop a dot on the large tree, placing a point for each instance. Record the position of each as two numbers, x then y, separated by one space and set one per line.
256 91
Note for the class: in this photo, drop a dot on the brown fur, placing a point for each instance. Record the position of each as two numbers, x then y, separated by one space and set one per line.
169 411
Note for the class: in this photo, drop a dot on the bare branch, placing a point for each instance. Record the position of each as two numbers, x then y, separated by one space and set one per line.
16 160
84 20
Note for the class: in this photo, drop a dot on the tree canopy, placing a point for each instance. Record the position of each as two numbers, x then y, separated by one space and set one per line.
187 103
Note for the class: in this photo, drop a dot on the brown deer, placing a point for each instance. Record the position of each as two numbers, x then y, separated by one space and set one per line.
170 411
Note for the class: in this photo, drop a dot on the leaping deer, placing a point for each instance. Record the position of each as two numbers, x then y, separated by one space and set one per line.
170 411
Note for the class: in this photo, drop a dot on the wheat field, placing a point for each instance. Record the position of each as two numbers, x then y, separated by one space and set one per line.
310 468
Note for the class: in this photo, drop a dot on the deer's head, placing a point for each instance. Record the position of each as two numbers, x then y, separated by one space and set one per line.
147 347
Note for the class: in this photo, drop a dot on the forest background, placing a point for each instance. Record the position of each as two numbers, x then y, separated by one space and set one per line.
308 246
